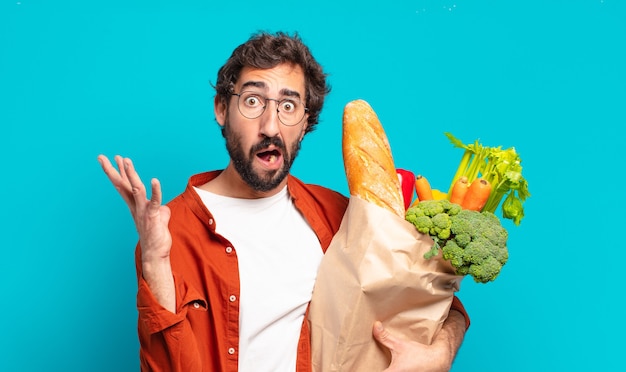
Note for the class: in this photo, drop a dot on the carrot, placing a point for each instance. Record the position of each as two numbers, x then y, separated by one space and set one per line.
422 188
459 189
476 195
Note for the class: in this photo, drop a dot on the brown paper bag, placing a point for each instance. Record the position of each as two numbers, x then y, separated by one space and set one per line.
374 270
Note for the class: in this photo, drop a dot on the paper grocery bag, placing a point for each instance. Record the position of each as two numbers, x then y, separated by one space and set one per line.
374 269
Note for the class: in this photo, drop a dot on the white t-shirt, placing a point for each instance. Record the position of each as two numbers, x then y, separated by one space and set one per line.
278 255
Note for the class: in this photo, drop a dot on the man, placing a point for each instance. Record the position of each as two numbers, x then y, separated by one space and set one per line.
227 268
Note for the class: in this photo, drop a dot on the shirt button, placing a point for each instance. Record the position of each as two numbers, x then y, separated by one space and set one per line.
196 305
210 221
231 350
229 249
232 298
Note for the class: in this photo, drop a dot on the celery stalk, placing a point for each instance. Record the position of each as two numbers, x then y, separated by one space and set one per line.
503 170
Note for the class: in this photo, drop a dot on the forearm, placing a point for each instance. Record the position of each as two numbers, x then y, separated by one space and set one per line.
452 333
158 276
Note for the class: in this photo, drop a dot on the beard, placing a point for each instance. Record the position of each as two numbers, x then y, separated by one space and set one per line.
243 162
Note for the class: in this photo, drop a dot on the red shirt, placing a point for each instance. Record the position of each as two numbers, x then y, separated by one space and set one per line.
203 335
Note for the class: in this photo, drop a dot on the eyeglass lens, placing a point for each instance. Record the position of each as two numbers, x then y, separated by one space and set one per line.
252 105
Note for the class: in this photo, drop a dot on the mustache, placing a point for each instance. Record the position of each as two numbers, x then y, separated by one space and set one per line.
266 142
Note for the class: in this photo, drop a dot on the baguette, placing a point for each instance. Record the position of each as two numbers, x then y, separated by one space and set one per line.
367 158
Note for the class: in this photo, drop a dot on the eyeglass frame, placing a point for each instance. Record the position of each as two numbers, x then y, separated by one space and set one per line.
265 99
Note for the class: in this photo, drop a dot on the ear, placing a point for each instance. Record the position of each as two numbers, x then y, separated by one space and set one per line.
304 126
219 108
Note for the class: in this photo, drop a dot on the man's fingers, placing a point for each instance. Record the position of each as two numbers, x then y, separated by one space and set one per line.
383 336
118 179
133 191
136 185
388 340
156 197
108 168
120 165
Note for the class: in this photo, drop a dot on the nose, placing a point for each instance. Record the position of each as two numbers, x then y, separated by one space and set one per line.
270 124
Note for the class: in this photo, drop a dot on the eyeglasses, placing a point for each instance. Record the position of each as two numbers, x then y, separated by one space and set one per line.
252 105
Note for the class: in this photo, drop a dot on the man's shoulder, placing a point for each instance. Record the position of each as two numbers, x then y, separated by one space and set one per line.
317 193
323 207
188 198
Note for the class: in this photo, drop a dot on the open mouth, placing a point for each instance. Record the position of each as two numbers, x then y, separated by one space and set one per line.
270 157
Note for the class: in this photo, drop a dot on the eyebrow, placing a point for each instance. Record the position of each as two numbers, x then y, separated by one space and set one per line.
262 85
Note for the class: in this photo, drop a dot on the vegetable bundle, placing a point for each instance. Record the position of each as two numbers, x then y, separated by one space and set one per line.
461 222
498 172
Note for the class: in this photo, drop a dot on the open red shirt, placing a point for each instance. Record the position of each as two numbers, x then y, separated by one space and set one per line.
203 335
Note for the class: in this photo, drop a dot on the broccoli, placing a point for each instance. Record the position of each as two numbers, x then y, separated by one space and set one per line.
422 223
441 225
474 242
486 271
453 253
430 207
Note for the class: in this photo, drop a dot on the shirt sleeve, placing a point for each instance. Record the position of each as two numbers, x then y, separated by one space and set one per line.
153 317
167 341
458 306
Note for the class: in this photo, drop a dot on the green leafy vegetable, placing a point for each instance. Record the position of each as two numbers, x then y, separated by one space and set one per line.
502 168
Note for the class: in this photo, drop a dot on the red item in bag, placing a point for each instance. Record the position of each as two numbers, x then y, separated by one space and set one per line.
407 181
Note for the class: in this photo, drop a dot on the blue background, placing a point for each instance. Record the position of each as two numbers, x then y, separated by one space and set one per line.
120 77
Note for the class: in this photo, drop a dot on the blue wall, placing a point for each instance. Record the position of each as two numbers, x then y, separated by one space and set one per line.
80 78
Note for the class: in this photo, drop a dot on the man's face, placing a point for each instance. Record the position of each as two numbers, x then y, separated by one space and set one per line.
263 149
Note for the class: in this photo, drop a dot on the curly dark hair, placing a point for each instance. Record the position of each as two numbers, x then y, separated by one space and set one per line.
266 50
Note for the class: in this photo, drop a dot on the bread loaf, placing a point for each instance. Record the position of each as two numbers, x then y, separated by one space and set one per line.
367 158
